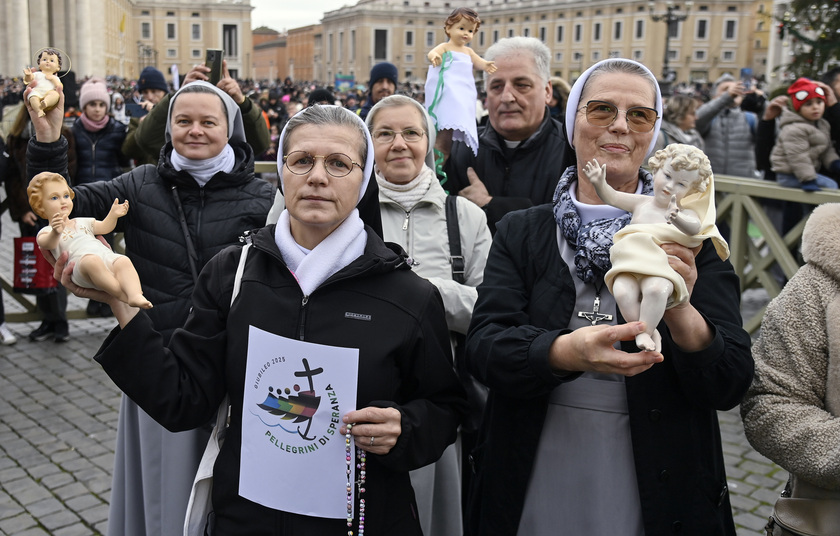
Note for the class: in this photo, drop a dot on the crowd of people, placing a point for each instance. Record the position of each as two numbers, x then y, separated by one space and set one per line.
485 265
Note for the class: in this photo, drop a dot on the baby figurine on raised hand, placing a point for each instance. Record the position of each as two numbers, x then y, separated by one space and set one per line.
450 84
44 96
96 265
681 210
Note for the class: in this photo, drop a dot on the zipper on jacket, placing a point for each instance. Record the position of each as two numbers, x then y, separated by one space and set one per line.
303 303
405 221
93 159
199 219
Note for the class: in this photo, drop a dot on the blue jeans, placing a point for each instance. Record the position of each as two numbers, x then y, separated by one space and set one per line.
791 181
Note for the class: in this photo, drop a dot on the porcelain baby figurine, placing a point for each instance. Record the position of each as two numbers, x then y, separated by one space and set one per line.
450 84
44 96
681 210
96 265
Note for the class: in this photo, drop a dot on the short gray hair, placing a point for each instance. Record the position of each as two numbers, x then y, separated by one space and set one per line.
526 45
326 116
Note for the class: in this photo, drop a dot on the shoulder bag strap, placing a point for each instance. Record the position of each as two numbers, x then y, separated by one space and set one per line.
456 259
193 257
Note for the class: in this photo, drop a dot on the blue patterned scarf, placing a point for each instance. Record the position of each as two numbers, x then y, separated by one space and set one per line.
592 241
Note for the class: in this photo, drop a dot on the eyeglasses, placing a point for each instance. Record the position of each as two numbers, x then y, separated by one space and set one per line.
603 114
410 135
337 164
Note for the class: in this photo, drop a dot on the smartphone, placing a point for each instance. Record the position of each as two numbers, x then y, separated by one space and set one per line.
746 77
213 59
132 109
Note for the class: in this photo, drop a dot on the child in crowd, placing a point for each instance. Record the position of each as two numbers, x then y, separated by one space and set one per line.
99 157
96 265
804 140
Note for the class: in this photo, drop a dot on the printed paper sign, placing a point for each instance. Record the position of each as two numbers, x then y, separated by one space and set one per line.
293 456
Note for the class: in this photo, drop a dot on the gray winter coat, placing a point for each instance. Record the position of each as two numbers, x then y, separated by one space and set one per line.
802 146
792 410
730 141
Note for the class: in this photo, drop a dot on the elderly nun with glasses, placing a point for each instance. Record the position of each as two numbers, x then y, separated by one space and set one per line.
416 215
582 430
320 283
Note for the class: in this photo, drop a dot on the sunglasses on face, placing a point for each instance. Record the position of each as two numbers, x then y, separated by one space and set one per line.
604 114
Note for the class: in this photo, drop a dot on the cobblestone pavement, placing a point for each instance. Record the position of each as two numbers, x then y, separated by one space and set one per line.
58 418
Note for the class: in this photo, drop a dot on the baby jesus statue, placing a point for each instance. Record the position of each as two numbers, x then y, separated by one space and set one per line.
450 84
44 96
96 265
681 210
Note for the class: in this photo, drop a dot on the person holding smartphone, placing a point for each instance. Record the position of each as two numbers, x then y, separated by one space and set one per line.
148 137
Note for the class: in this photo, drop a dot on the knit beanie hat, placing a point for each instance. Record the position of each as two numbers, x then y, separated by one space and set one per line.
93 90
321 96
803 90
383 70
151 78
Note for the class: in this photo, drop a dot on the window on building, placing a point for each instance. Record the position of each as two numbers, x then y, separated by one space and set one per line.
730 29
617 30
510 32
170 31
674 29
526 32
352 45
558 56
340 54
640 29
578 56
559 34
409 58
542 34
578 33
637 55
731 8
728 55
195 14
230 40
702 29
430 39
596 31
171 52
481 38
699 55
196 32
495 36
596 55
673 55
170 13
145 13
145 30
196 53
409 38
380 45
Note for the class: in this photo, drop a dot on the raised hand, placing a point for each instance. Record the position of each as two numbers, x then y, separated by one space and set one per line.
57 222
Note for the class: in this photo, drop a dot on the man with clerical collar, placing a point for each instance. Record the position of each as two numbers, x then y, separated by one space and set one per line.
522 151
